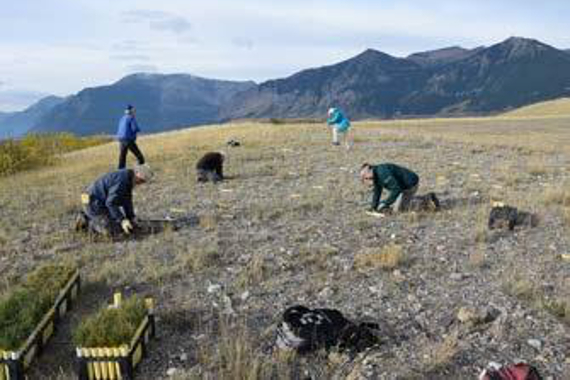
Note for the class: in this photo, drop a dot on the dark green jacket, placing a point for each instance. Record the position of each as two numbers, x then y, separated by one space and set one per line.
393 178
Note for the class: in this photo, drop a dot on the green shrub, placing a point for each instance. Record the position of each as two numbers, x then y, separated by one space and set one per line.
111 327
36 150
22 309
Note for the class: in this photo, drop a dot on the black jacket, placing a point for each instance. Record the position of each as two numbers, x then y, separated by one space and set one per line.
211 162
111 192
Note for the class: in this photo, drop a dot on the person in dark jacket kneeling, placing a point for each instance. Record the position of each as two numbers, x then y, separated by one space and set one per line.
400 183
211 167
108 203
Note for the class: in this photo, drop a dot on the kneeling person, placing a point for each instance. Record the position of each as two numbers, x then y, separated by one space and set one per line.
400 183
108 203
211 167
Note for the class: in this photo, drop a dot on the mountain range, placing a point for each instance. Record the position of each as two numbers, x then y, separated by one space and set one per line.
16 124
446 82
452 81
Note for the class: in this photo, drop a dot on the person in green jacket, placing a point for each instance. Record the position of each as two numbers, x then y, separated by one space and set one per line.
400 183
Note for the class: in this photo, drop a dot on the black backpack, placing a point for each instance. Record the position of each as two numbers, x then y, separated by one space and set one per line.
307 330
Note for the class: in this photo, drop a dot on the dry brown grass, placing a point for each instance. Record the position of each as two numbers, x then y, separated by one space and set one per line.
388 257
552 108
257 234
254 273
442 354
557 195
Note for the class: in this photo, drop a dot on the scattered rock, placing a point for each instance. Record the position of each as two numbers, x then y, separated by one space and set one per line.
467 315
457 276
171 372
535 343
183 357
470 315
214 288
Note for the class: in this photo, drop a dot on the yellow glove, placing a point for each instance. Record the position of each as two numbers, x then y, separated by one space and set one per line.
127 226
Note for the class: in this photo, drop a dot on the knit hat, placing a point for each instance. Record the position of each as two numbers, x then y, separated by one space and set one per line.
332 110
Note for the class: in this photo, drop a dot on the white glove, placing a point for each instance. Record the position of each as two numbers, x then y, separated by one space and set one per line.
127 226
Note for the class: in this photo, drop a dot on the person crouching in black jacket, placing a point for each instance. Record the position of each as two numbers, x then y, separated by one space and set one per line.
210 167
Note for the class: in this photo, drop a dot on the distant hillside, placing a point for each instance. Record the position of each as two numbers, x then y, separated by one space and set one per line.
163 102
17 124
558 107
511 74
442 56
370 84
451 81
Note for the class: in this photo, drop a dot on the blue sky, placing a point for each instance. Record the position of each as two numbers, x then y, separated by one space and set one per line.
61 46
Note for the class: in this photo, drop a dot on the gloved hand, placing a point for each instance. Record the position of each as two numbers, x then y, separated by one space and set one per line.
127 226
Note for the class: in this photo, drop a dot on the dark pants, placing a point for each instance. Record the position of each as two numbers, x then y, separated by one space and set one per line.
209 175
100 222
125 146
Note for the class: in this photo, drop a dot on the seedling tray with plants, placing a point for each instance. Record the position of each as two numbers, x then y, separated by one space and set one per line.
30 313
113 342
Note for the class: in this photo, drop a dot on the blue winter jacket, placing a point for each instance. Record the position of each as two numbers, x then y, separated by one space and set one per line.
111 193
128 128
340 122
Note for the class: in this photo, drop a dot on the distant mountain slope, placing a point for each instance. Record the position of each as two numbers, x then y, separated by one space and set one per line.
17 124
511 74
451 81
558 107
163 102
442 56
370 84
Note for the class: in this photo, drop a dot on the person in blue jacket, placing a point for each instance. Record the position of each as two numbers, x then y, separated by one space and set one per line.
340 127
108 202
127 136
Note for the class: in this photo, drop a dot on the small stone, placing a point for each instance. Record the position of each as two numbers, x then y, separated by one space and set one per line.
171 372
183 357
535 343
244 296
467 315
326 292
457 276
214 288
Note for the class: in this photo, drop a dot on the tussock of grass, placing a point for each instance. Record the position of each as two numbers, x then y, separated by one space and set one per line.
22 309
443 353
111 327
389 257
238 355
557 196
35 151
526 291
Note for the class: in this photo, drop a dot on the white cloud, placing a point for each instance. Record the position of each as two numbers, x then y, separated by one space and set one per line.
159 20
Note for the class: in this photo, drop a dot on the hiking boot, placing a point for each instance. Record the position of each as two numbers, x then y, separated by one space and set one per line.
81 222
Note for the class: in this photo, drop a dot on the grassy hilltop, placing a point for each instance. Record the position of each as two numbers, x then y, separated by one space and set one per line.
289 227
